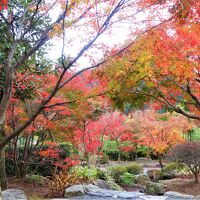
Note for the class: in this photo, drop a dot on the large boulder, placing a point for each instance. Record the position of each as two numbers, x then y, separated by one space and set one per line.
74 190
103 184
13 194
177 195
142 179
90 188
153 188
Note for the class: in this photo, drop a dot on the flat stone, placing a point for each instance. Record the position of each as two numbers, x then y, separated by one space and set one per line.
90 188
74 190
177 195
104 193
149 197
103 184
13 194
127 195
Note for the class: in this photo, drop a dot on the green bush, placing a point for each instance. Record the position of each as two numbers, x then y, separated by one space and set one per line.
35 179
102 174
171 170
86 172
134 169
117 171
127 179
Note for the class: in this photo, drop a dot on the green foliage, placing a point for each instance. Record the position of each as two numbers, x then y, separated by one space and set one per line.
115 186
142 179
127 179
112 151
86 172
117 171
38 63
134 169
102 174
171 170
194 134
35 179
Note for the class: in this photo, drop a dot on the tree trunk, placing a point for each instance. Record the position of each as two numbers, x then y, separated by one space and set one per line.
196 177
3 169
160 161
136 152
22 170
119 157
15 159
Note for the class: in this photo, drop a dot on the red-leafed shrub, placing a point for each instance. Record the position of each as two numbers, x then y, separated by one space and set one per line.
53 154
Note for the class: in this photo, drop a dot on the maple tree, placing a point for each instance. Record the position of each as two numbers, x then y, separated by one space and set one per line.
26 29
161 67
160 132
51 123
120 133
92 133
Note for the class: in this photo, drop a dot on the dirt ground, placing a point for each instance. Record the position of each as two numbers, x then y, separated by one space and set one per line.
183 185
33 192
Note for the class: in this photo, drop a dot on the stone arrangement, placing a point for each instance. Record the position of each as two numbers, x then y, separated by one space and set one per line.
89 192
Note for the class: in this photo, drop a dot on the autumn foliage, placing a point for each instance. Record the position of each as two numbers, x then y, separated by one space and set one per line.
3 4
66 100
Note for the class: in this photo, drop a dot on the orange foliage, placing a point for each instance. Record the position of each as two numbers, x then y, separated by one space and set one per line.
159 131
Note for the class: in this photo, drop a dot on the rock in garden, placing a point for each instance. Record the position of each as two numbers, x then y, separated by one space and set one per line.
127 195
90 188
177 195
153 188
13 194
103 184
75 190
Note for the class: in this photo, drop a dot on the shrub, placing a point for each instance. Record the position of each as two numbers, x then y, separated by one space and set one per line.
134 169
86 172
171 170
127 179
189 154
117 172
102 174
35 179
142 179
38 164
58 183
